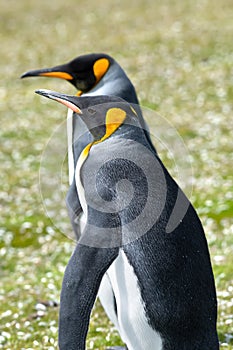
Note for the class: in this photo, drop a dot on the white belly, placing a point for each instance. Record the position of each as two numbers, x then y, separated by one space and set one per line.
80 189
70 145
132 323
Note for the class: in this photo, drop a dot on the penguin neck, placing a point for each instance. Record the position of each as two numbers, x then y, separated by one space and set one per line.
115 82
109 132
129 129
132 131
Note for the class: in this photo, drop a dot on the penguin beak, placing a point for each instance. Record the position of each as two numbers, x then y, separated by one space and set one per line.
67 100
56 72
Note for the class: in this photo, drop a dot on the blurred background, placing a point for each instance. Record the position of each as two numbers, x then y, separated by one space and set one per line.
179 56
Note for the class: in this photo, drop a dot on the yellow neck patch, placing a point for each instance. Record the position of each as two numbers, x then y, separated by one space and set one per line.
83 156
114 119
61 75
79 93
100 68
86 150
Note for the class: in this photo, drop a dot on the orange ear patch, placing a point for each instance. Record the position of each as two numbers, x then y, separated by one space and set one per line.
100 68
114 118
61 75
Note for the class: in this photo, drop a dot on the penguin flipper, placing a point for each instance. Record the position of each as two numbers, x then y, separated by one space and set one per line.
80 286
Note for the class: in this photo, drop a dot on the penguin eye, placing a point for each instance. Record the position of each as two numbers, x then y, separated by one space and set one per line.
91 110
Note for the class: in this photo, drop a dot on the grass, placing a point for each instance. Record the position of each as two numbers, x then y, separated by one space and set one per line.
179 56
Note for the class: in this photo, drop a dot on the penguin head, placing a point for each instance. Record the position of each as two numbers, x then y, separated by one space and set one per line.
84 72
103 115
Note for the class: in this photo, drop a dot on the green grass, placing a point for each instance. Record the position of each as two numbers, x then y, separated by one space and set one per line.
179 56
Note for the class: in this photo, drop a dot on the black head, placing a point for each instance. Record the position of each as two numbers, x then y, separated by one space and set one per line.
84 72
103 115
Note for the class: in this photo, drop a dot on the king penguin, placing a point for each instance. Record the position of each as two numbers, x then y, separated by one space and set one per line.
141 228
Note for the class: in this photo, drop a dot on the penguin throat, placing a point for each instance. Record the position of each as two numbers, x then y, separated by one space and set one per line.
114 119
110 129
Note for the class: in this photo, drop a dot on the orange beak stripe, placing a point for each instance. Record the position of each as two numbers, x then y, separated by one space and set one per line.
61 75
69 105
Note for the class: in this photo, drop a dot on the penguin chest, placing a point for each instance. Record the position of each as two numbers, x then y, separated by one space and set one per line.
79 185
70 144
133 323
